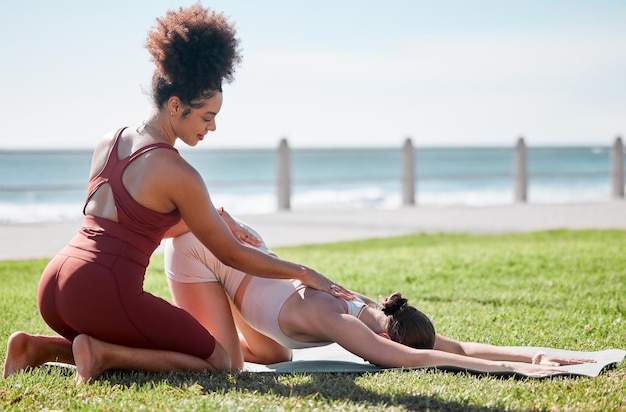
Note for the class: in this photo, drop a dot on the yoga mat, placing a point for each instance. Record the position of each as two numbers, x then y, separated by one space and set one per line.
335 359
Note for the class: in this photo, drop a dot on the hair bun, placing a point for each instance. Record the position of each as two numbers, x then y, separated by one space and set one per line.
394 303
194 49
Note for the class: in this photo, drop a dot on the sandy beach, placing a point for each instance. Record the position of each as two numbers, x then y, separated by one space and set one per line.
43 240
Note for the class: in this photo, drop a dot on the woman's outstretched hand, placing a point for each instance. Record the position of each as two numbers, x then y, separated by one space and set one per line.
535 372
541 358
548 360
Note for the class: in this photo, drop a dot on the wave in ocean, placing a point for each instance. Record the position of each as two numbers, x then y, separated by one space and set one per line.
323 198
37 186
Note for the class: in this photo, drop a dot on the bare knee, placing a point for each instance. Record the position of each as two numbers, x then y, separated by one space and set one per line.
220 359
271 352
275 355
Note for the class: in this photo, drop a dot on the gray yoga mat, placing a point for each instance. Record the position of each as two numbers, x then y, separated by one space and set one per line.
335 359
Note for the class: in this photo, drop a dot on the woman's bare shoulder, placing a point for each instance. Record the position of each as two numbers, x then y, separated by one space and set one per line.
170 163
100 153
105 142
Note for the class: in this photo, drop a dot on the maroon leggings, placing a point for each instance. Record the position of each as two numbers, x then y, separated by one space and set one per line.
94 286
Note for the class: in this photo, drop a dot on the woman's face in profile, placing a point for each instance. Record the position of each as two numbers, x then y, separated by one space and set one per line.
193 127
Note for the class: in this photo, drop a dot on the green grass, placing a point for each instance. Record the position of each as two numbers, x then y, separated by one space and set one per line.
562 289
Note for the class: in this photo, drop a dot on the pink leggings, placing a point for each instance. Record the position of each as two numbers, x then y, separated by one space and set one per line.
94 286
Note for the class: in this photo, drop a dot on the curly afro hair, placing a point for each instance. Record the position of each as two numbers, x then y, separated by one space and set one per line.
194 50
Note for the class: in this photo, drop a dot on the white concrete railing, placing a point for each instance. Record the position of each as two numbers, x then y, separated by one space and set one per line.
409 178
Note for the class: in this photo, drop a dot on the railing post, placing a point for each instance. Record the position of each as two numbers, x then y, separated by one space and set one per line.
408 173
617 168
520 172
283 176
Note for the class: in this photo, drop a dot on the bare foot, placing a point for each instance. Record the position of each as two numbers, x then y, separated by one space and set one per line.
25 352
88 365
18 355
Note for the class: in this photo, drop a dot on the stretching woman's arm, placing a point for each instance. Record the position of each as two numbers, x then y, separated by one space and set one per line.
354 336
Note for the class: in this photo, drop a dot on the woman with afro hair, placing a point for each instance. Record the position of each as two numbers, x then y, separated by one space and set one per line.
140 191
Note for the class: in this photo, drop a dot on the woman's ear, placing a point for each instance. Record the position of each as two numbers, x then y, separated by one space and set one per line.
384 335
173 104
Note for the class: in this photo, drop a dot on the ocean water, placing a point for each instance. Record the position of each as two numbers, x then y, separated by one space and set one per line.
40 186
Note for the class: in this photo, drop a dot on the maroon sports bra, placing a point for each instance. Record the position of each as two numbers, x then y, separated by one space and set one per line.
130 214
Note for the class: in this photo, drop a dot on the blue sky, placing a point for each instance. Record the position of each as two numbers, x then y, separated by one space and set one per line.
330 73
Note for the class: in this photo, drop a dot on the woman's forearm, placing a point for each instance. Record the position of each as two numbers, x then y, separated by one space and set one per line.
481 350
434 358
491 352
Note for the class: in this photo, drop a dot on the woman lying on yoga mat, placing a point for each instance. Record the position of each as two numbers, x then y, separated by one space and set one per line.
275 316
